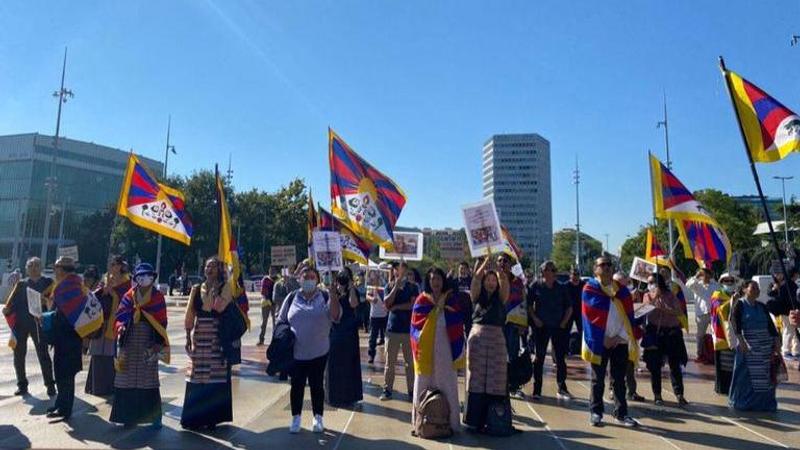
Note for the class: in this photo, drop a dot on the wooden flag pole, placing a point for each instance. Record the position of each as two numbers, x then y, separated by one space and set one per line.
773 237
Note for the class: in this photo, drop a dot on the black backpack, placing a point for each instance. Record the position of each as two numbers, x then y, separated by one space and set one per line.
520 369
498 418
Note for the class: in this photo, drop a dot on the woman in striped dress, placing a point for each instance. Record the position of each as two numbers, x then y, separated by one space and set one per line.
752 388
208 399
141 323
102 349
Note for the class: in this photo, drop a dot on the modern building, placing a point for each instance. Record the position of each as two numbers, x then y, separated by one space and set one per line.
88 179
775 205
516 174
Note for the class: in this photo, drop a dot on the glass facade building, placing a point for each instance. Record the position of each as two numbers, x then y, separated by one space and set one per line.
88 179
516 175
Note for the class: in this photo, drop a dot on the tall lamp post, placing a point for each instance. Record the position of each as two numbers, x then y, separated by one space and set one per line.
576 177
785 217
50 182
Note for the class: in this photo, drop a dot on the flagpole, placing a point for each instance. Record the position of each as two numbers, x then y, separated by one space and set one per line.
669 166
772 235
166 160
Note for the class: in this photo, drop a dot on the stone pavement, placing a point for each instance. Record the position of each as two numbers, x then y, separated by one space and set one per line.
261 414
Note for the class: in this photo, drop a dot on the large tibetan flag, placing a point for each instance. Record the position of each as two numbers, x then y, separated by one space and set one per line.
152 205
353 247
510 246
771 130
704 242
366 200
652 249
81 308
229 251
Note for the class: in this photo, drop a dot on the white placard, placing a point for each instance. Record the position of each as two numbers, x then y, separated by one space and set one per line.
328 251
34 302
283 255
641 269
70 252
483 228
407 246
643 311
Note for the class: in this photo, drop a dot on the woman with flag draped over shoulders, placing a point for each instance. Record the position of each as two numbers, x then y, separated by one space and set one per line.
437 342
141 323
103 348
208 399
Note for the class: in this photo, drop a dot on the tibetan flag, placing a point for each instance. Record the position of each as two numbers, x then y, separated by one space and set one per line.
313 223
653 249
771 130
152 308
353 247
510 246
704 242
671 199
152 205
229 252
366 200
81 308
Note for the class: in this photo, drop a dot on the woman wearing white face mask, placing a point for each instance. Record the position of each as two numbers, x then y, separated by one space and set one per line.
141 323
665 337
309 312
720 323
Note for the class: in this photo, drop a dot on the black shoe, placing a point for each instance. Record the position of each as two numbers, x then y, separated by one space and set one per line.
386 395
260 344
51 391
380 342
21 392
658 401
635 397
595 420
371 361
682 402
563 394
52 409
54 414
627 421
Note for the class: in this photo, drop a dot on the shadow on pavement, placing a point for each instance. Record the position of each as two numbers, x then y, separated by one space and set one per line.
12 437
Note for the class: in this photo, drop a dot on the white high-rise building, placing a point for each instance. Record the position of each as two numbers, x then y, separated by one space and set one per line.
516 174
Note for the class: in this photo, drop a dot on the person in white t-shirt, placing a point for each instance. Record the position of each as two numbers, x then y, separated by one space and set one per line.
378 314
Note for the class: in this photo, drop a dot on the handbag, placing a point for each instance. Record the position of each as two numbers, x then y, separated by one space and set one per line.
778 371
499 418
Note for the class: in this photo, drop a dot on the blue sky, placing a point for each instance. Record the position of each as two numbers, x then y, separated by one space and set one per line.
415 87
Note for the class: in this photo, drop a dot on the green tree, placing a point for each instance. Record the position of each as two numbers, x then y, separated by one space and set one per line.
564 249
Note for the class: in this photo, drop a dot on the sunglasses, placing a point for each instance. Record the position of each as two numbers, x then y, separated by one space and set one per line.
603 264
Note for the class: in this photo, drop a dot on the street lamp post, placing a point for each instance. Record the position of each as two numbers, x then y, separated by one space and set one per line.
50 182
785 217
577 180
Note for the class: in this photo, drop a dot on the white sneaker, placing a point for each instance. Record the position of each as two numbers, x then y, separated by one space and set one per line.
317 426
294 428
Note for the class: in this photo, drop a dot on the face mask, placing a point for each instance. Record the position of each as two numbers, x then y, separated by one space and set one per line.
309 286
145 280
727 288
652 287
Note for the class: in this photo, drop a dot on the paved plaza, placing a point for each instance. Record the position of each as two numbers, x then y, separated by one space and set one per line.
261 414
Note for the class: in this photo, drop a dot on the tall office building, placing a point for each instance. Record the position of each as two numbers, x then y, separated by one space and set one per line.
88 179
516 174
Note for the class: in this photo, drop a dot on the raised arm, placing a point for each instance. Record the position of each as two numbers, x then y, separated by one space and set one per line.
334 308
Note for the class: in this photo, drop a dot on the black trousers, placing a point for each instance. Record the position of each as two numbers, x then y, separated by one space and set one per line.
66 394
560 339
21 350
313 372
618 359
266 313
670 346
377 329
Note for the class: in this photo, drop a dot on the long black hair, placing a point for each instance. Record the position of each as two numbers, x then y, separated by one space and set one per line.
484 298
435 271
661 282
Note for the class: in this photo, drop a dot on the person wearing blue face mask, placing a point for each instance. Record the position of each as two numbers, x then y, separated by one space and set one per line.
310 312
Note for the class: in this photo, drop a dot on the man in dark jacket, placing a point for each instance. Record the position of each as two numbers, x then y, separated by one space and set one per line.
26 326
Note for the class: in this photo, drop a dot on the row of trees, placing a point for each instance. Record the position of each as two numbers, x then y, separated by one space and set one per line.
260 219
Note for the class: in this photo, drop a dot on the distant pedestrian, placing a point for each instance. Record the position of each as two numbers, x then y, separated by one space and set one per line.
267 305
377 314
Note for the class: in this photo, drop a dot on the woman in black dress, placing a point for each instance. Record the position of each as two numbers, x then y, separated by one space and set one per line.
343 377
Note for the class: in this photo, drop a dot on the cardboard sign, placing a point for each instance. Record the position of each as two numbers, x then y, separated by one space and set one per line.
34 302
407 246
483 228
283 255
328 251
70 252
641 269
